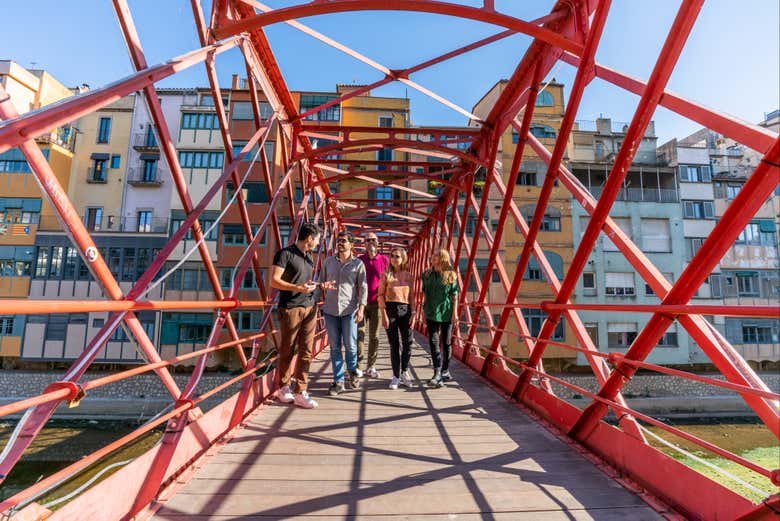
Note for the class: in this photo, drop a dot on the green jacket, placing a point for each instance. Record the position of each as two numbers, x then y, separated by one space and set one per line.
438 297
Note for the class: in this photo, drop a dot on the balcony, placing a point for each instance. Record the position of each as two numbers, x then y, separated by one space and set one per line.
140 176
110 224
647 195
96 175
145 141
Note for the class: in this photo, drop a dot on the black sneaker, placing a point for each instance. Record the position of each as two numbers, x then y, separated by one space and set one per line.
436 380
446 376
336 389
354 381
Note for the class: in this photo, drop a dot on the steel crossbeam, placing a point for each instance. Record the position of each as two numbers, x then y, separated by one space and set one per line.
417 220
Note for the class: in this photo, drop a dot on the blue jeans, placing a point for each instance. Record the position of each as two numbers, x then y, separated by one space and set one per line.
342 331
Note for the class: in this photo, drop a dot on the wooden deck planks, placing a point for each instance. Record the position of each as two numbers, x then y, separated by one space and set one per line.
456 453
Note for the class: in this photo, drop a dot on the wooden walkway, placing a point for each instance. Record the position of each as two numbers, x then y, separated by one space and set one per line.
459 453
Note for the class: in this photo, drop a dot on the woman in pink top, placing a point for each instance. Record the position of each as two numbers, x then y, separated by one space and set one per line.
396 315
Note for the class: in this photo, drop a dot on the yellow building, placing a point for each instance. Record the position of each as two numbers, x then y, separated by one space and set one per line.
97 174
555 235
22 207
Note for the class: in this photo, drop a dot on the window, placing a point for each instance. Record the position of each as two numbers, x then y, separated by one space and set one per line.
205 225
542 131
16 261
385 121
534 318
692 246
233 235
670 337
94 218
266 111
309 101
199 121
599 149
192 159
758 233
252 192
620 334
42 262
247 320
195 333
104 130
385 154
19 210
544 99
145 221
593 331
115 161
55 268
624 223
698 210
526 179
14 161
589 284
298 194
238 146
619 284
150 171
69 266
242 110
6 325
695 173
97 173
756 334
383 195
56 327
551 221
656 235
667 276
150 140
747 284
285 229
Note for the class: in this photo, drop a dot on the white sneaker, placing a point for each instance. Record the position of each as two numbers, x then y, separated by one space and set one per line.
302 399
285 395
372 373
406 379
358 373
394 383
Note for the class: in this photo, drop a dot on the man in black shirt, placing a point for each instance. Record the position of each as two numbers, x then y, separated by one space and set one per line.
292 273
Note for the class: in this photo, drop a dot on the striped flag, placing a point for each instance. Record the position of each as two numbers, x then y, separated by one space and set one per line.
20 229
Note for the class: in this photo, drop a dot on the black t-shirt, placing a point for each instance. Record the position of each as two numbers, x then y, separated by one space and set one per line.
298 268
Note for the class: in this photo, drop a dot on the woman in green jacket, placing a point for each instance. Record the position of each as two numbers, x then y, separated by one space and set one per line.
440 289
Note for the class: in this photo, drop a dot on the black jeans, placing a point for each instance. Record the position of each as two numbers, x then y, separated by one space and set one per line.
399 334
441 360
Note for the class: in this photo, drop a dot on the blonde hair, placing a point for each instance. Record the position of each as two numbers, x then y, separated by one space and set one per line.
389 272
445 267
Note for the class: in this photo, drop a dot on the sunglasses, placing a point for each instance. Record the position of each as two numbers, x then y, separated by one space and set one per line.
342 241
397 256
372 240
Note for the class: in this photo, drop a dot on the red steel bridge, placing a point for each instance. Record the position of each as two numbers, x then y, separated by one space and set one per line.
569 33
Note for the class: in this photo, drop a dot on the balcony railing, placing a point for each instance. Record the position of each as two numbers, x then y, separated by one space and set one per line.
142 176
145 140
649 195
95 176
111 224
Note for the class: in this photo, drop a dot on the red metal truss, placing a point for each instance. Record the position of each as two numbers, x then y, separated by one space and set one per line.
336 180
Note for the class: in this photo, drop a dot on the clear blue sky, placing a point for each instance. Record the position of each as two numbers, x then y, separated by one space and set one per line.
731 62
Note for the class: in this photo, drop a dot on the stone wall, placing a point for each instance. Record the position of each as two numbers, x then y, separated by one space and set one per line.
660 386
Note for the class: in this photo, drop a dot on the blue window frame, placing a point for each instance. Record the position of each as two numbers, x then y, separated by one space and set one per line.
104 130
115 161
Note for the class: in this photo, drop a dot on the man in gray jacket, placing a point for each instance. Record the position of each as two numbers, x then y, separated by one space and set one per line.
343 309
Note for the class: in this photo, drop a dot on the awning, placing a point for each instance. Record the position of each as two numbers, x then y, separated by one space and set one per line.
766 226
100 157
150 157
